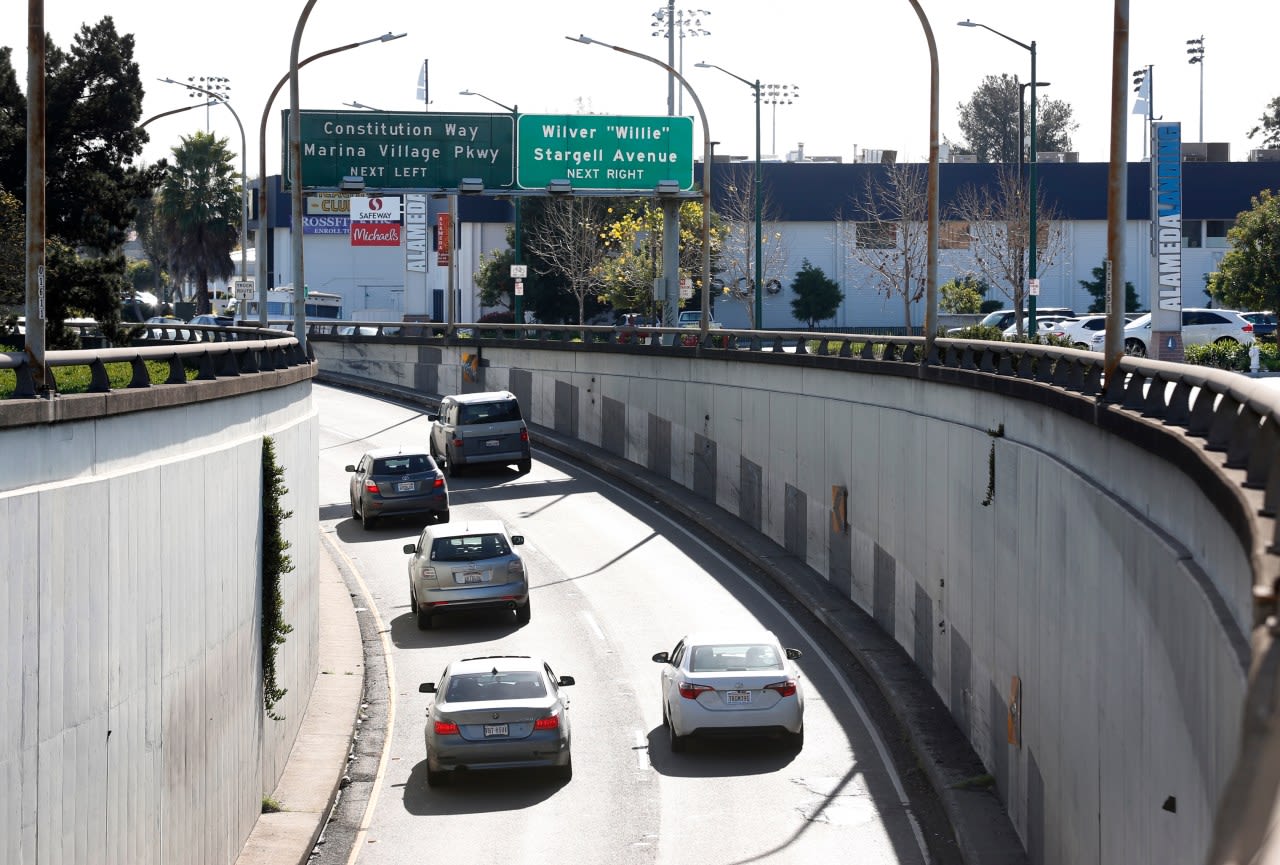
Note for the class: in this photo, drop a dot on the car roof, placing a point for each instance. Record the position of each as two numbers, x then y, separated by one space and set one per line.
458 528
744 635
501 663
486 396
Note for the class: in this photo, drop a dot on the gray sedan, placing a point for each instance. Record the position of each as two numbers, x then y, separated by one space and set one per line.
497 712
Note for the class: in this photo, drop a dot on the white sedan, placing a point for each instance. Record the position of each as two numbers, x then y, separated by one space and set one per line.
741 683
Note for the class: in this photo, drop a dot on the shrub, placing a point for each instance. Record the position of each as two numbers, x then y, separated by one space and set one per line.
1232 356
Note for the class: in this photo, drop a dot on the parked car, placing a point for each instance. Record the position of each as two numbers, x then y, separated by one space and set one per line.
1264 325
467 566
388 483
210 320
1005 318
480 428
740 683
1081 329
1045 327
154 329
498 712
1199 327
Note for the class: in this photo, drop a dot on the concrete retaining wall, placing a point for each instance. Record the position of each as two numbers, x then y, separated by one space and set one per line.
1005 545
132 729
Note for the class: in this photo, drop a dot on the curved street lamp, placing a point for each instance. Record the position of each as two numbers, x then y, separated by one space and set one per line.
1032 196
931 242
706 173
261 253
758 277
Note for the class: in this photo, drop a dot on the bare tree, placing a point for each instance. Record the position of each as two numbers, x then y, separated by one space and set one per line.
569 239
738 247
1000 230
890 236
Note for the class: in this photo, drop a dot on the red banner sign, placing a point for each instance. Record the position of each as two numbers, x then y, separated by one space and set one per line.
443 239
375 234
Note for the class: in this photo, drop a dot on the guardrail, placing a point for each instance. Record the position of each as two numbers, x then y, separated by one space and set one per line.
239 351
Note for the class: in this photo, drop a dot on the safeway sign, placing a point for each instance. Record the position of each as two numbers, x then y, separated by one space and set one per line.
375 220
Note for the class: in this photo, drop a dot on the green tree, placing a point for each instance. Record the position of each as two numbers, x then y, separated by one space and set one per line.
1097 287
989 121
13 275
1269 124
817 295
963 295
493 277
1248 276
199 211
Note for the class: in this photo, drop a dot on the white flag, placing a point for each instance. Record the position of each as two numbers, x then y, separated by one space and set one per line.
1142 105
422 82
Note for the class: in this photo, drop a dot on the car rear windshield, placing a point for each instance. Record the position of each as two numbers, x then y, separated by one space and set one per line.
511 685
406 464
465 548
751 656
489 412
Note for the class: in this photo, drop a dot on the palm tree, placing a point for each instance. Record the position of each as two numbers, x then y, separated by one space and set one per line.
199 211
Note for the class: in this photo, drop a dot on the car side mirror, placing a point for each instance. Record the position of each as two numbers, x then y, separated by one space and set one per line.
793 654
433 417
517 539
351 468
427 688
411 548
662 658
565 680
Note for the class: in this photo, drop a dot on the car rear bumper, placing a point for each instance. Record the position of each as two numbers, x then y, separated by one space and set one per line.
690 718
538 750
385 507
506 596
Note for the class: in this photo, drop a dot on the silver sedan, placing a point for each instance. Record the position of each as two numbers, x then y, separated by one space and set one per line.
497 712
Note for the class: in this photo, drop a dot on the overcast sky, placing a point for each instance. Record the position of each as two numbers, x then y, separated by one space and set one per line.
862 69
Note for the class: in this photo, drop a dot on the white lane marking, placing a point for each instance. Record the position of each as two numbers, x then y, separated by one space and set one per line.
849 693
593 624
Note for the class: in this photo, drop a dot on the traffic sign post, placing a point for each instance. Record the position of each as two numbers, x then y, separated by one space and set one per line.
602 152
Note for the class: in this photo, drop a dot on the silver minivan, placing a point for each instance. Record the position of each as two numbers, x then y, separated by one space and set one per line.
478 428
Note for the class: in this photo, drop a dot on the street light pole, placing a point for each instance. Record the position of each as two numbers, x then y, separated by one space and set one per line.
934 227
670 23
706 173
219 96
758 277
776 94
518 304
1197 58
1032 196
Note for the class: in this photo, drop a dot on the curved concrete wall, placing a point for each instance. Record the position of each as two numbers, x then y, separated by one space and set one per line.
997 539
132 730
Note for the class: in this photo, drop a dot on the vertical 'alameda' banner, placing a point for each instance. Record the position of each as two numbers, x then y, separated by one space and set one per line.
1166 242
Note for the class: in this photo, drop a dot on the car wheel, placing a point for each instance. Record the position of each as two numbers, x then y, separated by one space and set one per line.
436 778
354 512
524 466
1135 347
367 521
424 618
676 741
442 516
565 772
452 469
796 740
523 612
1083 346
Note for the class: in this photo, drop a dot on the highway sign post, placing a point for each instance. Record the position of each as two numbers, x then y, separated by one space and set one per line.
604 152
392 150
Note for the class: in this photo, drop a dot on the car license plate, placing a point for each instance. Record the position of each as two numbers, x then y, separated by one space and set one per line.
737 696
492 443
496 730
405 487
471 577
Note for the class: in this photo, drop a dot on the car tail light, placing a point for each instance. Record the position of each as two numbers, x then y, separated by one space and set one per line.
550 722
1248 328
457 443
437 483
524 435
515 570
690 691
371 487
446 728
784 689
428 573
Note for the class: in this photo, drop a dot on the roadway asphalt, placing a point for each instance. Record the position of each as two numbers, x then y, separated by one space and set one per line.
318 763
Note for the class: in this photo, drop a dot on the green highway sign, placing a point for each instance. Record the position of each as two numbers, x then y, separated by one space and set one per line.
403 150
592 151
